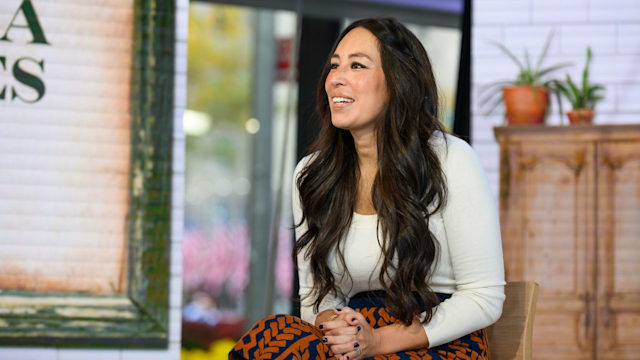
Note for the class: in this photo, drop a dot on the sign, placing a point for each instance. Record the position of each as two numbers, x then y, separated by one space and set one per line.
65 74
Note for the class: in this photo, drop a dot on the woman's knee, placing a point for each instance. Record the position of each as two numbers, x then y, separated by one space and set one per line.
276 318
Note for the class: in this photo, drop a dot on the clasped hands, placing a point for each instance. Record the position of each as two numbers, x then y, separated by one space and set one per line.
348 335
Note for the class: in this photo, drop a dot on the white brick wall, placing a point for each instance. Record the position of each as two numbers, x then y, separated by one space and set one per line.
610 27
177 214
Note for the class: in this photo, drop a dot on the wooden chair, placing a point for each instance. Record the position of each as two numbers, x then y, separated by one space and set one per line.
511 336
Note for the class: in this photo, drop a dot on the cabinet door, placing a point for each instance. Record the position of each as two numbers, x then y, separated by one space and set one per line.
547 216
618 284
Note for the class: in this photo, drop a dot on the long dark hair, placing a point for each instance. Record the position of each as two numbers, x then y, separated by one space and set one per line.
409 185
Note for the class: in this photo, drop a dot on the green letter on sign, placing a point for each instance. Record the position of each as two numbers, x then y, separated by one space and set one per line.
4 88
28 79
32 23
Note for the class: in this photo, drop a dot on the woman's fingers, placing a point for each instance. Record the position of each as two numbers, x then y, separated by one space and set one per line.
349 336
339 343
343 330
328 326
359 317
349 349
337 321
354 319
352 355
348 315
364 344
344 311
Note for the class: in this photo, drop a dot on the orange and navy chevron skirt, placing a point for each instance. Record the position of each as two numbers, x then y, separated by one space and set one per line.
286 337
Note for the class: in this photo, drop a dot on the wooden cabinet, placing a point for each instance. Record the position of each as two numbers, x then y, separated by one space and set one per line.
570 217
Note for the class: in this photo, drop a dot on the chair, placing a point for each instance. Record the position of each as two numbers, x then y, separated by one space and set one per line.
511 336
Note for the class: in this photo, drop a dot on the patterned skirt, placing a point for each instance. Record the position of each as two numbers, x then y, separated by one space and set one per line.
286 337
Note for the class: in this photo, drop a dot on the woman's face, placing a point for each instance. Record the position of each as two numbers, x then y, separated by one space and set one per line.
356 86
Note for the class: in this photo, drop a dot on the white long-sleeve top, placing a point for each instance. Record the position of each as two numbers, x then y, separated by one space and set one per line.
469 265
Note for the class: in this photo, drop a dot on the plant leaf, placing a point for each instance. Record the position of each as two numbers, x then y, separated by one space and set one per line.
489 90
489 97
499 83
553 68
510 54
596 87
591 95
545 48
579 101
493 105
559 100
567 93
525 78
585 73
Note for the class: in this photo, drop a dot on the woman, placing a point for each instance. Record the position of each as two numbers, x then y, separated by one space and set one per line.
398 245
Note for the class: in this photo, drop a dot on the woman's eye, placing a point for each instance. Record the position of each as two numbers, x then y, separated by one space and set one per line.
356 65
333 66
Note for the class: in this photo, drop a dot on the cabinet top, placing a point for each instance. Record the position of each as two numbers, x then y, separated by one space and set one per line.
546 133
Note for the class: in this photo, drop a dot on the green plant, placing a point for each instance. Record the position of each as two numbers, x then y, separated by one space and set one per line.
584 97
534 76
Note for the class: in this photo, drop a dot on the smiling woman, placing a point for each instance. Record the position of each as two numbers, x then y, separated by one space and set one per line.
398 247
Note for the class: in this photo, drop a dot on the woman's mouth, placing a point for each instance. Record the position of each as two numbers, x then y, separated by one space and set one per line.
341 100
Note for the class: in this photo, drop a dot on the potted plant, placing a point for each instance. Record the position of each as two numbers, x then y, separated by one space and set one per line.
583 99
526 98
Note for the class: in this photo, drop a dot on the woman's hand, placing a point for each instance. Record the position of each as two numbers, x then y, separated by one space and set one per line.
349 335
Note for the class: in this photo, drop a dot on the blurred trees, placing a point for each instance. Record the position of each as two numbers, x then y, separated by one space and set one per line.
220 61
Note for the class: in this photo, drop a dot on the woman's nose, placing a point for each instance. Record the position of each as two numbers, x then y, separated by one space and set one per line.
336 78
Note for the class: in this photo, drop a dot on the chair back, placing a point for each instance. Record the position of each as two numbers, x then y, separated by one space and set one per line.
511 336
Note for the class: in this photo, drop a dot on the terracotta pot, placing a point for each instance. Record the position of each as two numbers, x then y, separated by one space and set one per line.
525 104
580 116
